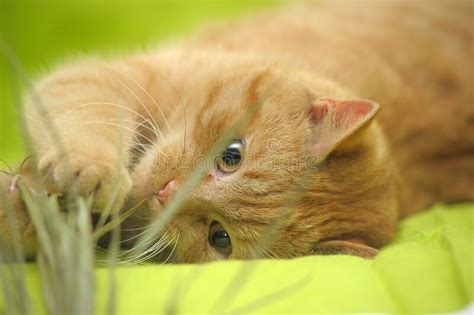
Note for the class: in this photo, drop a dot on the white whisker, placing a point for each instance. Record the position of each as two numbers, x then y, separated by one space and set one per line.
135 229
152 254
138 125
146 255
172 251
148 94
133 237
114 124
156 246
135 96
157 130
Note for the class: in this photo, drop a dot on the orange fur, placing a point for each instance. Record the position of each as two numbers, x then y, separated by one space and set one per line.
330 179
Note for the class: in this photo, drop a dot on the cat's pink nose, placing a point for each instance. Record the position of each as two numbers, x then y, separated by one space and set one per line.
165 193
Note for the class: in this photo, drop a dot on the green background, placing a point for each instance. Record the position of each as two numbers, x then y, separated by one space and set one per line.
41 34
427 269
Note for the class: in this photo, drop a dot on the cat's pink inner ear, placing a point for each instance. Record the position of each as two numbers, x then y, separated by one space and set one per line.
335 120
318 111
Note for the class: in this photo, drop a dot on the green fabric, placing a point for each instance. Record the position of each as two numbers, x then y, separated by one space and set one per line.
429 268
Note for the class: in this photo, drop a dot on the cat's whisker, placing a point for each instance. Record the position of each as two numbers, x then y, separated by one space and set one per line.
142 124
160 150
162 239
173 250
154 129
147 94
174 240
114 124
143 147
158 133
146 148
134 229
144 218
133 237
157 130
136 143
136 147
158 106
138 216
156 246
121 261
88 122
136 97
155 252
182 107
133 130
112 71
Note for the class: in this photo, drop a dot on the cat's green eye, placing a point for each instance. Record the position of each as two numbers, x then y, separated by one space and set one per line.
231 157
219 238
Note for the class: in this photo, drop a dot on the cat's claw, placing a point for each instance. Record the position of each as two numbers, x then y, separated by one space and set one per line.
13 208
14 184
82 175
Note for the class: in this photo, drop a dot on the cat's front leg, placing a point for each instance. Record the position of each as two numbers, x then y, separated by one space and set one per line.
80 122
87 172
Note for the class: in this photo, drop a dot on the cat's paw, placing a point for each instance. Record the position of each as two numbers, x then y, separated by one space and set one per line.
76 173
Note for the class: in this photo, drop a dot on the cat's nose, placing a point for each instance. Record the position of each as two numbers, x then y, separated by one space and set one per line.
166 192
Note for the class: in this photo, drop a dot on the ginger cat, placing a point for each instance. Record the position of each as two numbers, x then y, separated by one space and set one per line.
350 116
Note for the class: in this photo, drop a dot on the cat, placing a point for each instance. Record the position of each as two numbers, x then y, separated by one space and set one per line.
337 120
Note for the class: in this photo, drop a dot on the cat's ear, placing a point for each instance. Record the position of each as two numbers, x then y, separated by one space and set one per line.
334 121
345 247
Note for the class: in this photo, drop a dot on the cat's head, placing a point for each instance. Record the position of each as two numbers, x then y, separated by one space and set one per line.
297 170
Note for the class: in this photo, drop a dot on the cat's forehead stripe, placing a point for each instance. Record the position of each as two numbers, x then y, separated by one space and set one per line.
252 91
251 94
213 93
216 122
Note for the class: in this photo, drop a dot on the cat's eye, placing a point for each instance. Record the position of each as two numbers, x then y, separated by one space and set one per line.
231 157
219 238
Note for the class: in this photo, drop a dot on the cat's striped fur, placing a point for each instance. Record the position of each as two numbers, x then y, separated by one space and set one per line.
299 65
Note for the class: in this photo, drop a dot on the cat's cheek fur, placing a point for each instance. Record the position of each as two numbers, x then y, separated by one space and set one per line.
352 208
